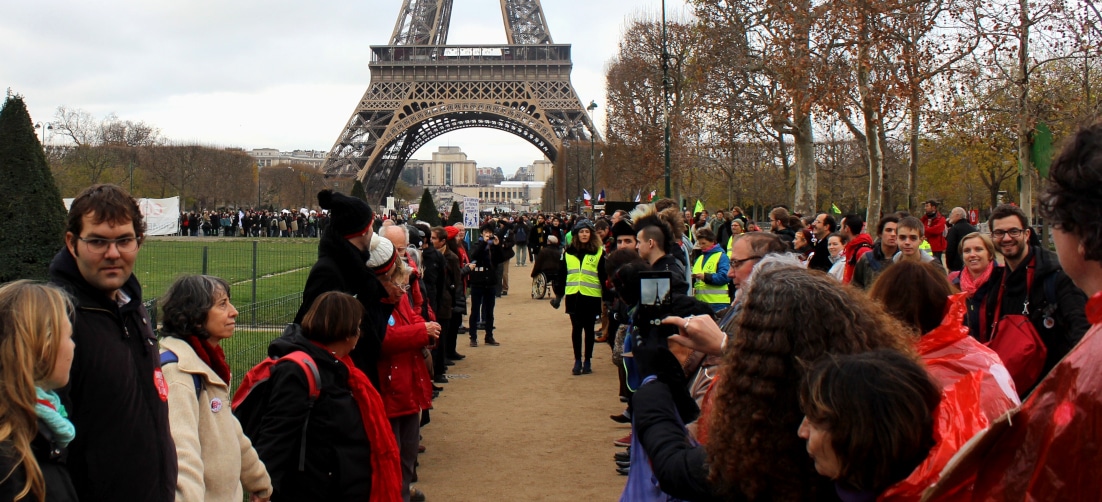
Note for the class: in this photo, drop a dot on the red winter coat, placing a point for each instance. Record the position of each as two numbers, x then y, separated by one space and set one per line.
855 248
935 232
404 380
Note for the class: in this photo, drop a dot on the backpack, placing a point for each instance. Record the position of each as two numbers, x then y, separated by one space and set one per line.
250 401
168 357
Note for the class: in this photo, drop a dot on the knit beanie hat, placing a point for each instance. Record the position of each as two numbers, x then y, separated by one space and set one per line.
451 231
623 227
349 217
583 223
382 257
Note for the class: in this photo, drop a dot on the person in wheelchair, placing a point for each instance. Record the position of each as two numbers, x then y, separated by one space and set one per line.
545 270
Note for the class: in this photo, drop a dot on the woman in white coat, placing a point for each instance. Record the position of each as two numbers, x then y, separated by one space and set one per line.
216 460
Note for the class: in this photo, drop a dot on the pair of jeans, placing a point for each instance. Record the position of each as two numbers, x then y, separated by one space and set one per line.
483 300
522 254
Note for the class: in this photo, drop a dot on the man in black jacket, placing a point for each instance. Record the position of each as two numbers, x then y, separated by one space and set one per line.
342 266
117 398
1057 314
959 228
823 226
486 256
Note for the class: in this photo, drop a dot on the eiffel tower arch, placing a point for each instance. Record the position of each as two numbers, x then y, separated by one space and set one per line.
422 88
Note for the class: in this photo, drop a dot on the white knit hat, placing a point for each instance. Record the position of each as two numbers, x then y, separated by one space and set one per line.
382 257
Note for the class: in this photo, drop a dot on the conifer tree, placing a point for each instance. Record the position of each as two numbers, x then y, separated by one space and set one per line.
32 216
358 190
456 215
427 212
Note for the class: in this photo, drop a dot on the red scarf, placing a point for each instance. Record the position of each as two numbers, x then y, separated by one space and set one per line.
970 285
212 355
386 469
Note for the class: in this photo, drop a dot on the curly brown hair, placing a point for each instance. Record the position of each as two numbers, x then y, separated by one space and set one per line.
790 319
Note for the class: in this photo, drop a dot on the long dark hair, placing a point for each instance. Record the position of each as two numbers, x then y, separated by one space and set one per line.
789 320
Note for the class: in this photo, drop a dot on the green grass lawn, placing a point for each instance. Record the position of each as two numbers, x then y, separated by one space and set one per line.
282 264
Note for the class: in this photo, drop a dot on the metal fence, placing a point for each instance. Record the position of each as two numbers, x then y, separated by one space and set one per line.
257 325
266 278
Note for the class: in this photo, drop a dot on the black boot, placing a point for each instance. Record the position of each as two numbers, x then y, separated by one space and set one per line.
490 340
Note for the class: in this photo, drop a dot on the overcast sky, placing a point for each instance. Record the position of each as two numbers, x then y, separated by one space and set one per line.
264 74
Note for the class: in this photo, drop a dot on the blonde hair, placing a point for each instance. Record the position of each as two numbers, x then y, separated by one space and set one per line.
32 316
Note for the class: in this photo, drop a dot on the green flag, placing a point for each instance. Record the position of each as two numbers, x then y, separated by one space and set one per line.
699 207
834 207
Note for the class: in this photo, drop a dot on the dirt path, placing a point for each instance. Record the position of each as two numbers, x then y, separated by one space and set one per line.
514 424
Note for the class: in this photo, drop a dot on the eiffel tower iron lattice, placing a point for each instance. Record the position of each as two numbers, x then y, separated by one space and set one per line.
422 88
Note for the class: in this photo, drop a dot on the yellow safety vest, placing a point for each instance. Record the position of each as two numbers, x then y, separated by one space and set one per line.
709 293
581 275
730 248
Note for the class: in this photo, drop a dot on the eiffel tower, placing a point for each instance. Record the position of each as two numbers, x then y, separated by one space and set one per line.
422 88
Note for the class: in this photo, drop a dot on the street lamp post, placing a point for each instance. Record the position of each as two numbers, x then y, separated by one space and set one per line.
592 163
44 126
666 94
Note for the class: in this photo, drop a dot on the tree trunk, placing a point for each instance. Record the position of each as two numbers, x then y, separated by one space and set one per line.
806 173
872 132
1025 124
912 161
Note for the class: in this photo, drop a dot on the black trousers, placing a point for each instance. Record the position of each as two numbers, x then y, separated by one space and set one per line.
483 300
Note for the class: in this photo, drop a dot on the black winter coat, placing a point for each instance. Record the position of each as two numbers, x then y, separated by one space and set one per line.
821 260
342 267
338 453
432 273
486 258
123 449
677 272
51 460
681 469
1068 312
953 259
451 284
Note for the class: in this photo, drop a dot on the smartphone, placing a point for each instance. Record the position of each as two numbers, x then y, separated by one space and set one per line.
654 287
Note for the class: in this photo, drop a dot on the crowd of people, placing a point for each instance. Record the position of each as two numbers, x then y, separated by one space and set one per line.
253 223
807 360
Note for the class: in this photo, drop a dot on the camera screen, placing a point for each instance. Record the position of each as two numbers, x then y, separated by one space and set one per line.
654 290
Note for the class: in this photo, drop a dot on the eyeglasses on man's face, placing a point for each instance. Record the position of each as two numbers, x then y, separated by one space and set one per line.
738 263
1013 232
101 245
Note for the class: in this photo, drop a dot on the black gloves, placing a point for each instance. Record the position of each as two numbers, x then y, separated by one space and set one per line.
556 301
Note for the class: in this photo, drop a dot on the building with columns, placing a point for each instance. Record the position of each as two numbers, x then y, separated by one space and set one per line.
449 167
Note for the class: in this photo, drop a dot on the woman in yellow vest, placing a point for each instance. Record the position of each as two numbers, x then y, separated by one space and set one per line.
583 266
710 271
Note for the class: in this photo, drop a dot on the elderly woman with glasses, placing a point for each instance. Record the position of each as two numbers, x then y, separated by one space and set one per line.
404 380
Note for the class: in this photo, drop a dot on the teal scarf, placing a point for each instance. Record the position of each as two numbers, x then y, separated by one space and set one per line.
50 410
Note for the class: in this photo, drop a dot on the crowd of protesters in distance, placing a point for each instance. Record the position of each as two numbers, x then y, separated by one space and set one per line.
253 223
802 360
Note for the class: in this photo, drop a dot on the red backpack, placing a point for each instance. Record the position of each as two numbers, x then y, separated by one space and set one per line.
250 401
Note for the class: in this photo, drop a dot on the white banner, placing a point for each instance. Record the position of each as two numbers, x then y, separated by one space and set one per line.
470 212
162 216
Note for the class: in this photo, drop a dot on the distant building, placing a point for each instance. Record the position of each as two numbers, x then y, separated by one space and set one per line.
449 167
514 195
268 157
540 170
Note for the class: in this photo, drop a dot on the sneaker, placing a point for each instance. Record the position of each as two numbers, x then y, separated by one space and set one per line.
416 495
624 441
621 418
474 342
623 456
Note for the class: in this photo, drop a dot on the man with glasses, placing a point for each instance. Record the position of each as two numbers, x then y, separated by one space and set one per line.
117 398
1033 284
